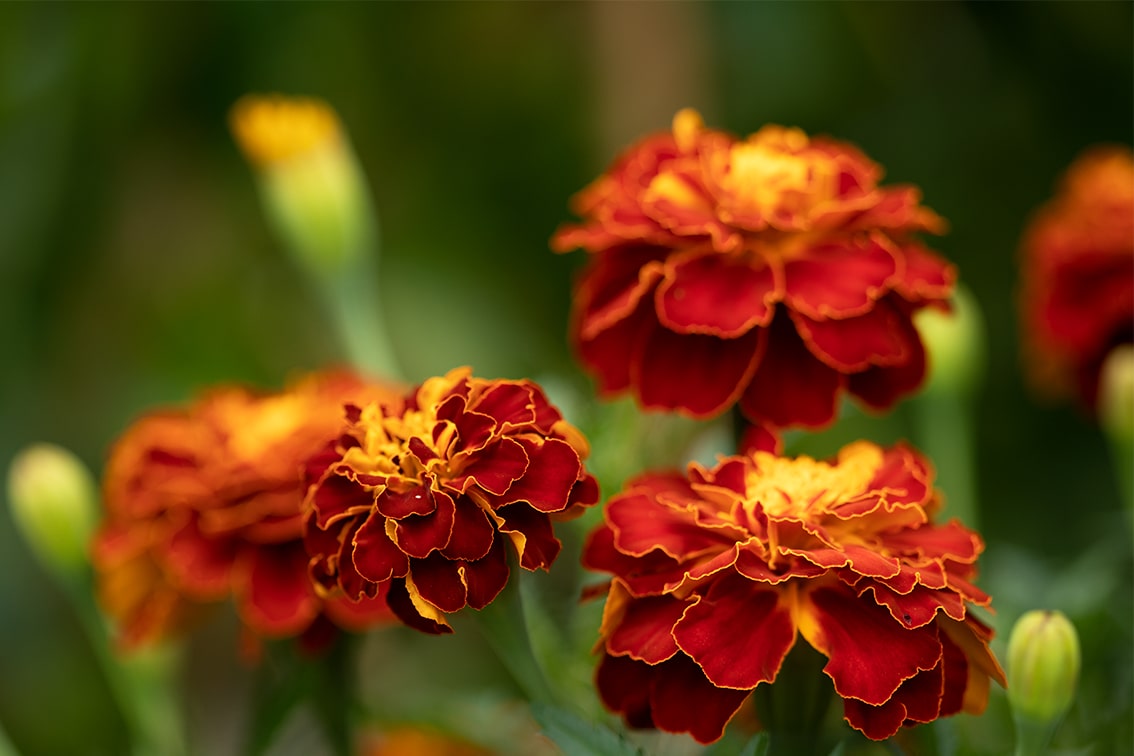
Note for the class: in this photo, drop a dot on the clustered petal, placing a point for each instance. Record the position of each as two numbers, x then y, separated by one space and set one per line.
204 503
420 501
772 272
719 572
1078 275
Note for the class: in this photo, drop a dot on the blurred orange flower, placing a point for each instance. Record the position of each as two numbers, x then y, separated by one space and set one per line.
417 501
771 271
718 572
1077 270
204 503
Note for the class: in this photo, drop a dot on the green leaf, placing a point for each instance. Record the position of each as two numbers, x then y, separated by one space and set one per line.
576 736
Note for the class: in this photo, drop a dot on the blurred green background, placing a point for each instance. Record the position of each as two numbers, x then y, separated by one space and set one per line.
136 266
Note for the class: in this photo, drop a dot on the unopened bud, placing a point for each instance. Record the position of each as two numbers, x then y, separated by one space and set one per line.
954 342
1116 393
310 182
1043 667
53 500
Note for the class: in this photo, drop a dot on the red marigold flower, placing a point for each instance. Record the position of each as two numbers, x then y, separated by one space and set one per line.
416 501
717 573
1078 274
771 271
204 503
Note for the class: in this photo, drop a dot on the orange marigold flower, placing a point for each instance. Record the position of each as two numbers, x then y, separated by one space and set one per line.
417 500
771 271
1078 274
718 572
204 503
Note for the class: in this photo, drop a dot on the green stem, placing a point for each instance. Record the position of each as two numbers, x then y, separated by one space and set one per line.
944 432
353 301
141 684
504 628
792 709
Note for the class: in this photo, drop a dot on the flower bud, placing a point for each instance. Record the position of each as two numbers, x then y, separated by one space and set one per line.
954 342
53 500
1116 393
1043 667
309 179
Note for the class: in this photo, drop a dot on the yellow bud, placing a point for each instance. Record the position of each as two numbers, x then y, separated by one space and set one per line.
54 501
1116 393
954 343
309 179
1043 667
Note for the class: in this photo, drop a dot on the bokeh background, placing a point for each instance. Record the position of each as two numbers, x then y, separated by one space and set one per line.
136 266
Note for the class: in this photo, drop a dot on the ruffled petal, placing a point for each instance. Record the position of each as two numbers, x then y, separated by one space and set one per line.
853 631
730 659
839 278
717 295
794 388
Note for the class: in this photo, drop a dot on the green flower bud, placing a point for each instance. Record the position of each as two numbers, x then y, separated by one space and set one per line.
1043 668
955 344
1116 393
311 184
54 504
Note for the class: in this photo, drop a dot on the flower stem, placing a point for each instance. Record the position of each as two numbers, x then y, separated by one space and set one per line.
504 627
792 709
944 432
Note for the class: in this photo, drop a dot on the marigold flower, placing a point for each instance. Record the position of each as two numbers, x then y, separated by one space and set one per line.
417 501
1077 271
204 503
718 572
771 271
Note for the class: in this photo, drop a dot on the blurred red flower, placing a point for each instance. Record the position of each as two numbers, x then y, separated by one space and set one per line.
1077 270
418 500
204 503
771 271
718 572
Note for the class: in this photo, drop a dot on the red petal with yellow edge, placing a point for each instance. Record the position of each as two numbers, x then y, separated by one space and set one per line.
624 687
540 544
277 598
795 387
613 352
508 404
956 670
375 556
709 634
398 505
856 343
337 496
358 616
870 654
473 533
419 536
439 582
838 279
612 286
641 525
494 468
553 469
880 387
599 553
952 540
925 276
400 603
918 607
714 294
683 700
486 577
646 630
201 566
697 374
902 476
917 700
